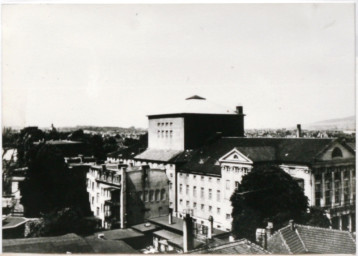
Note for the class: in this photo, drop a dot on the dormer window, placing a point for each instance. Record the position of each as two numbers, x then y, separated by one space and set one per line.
236 157
337 153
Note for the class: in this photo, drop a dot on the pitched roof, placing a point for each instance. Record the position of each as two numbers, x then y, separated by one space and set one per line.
283 150
242 246
308 239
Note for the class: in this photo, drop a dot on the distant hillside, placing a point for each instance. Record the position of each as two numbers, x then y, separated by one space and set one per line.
344 124
103 129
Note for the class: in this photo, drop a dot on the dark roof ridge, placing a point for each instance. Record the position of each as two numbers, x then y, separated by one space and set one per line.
320 228
239 241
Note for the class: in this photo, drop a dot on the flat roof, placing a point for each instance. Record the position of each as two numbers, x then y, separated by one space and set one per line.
118 234
13 222
175 239
144 227
177 224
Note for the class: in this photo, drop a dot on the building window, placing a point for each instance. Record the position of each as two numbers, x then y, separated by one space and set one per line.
162 194
97 211
218 180
151 195
194 205
92 185
157 195
181 201
187 190
218 210
346 190
337 188
171 175
162 134
140 195
237 185
218 195
194 191
202 177
210 193
97 197
187 203
170 185
180 188
228 216
210 208
171 123
227 184
337 153
166 134
171 134
92 199
202 207
327 194
146 196
318 190
158 134
210 179
194 176
202 193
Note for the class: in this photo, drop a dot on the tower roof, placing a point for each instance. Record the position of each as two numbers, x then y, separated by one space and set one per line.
196 105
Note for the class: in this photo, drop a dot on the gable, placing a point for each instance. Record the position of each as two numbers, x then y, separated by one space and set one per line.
235 156
336 151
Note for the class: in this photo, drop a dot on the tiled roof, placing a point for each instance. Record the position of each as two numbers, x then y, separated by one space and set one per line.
63 244
242 246
158 155
282 150
308 239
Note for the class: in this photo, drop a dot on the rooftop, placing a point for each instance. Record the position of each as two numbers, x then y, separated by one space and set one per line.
118 234
242 246
196 105
63 244
163 155
308 239
177 224
175 239
13 222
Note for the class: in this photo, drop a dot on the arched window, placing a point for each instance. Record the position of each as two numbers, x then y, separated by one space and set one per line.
337 153
157 195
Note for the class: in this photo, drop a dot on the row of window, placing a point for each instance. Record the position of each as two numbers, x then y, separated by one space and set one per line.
165 124
165 134
202 193
152 195
244 170
202 177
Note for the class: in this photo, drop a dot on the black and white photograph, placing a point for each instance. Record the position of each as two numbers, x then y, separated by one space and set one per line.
178 128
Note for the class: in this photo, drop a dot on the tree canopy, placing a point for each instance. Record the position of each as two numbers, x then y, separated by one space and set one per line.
267 193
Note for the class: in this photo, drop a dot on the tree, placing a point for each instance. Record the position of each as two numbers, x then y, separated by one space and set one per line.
317 217
267 193
46 185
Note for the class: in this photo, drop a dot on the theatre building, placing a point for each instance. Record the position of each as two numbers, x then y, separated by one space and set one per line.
202 149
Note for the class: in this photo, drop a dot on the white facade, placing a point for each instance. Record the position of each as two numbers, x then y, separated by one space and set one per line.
206 195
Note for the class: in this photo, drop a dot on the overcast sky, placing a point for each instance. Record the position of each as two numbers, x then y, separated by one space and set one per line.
111 65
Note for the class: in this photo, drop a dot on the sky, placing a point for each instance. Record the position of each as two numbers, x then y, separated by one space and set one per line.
111 65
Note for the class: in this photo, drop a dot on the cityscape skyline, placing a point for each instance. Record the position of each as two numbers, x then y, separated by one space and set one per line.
111 65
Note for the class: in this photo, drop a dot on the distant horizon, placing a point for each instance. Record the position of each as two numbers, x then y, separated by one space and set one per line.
145 128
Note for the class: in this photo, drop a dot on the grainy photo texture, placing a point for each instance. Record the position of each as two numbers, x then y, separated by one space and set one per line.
178 128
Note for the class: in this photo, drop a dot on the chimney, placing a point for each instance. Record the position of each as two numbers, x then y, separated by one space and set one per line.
239 110
103 167
170 216
210 228
231 238
292 225
299 132
188 239
123 195
269 229
261 237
